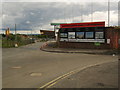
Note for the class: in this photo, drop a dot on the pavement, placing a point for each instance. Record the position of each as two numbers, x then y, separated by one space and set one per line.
51 46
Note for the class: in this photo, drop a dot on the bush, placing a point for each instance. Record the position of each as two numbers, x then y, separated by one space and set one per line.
11 40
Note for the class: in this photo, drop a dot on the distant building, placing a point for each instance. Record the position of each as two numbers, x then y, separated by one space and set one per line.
48 33
7 32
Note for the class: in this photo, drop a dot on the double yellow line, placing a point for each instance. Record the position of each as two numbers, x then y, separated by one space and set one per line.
53 82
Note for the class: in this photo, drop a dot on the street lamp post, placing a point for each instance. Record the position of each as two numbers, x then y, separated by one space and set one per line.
16 45
108 12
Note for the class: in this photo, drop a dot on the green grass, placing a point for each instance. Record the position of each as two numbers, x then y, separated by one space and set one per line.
10 43
0 43
10 40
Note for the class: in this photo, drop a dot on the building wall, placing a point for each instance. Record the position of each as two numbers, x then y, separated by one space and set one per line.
110 34
113 35
83 45
50 34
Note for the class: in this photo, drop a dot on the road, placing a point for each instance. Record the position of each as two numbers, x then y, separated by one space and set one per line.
29 67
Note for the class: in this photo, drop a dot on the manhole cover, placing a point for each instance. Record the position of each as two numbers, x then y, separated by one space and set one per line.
16 67
100 84
35 74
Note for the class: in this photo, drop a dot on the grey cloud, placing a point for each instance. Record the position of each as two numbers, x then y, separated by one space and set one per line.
42 13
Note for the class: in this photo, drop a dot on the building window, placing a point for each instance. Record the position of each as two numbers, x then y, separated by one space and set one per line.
99 35
69 29
64 35
80 35
89 35
71 35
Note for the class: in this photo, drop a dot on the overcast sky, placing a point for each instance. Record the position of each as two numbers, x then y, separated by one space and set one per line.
38 15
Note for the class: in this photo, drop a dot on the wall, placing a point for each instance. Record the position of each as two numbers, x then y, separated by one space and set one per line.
110 33
83 45
113 35
50 34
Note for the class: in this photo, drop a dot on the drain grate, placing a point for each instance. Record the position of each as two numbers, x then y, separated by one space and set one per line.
100 84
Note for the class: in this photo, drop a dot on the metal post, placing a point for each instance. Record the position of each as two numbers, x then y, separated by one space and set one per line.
16 45
15 34
108 12
91 11
15 29
81 13
54 32
31 36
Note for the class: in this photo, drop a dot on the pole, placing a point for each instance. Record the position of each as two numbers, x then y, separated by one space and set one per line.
91 11
15 29
72 17
16 45
31 36
54 32
81 13
108 12
31 32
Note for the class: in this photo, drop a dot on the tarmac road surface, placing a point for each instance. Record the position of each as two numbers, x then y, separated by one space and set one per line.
100 76
29 67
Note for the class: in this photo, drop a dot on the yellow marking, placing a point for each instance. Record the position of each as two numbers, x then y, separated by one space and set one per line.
54 81
52 84
60 77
